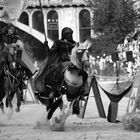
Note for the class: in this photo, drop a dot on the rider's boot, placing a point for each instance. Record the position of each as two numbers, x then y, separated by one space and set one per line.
82 98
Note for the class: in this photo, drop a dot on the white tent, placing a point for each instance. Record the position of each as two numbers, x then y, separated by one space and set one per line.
28 94
12 9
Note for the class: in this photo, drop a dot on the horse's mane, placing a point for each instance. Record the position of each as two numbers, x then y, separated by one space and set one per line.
73 57
85 45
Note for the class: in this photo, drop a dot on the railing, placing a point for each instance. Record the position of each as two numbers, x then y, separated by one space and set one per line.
36 2
48 2
1 2
38 35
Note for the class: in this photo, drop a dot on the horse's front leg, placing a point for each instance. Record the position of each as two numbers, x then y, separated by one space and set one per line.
2 106
2 95
57 121
18 95
9 99
8 94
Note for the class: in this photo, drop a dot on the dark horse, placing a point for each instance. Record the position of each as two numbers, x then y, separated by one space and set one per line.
11 82
59 87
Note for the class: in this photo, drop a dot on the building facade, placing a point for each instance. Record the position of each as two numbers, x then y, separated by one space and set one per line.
57 14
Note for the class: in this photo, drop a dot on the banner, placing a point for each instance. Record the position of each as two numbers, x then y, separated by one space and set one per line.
12 9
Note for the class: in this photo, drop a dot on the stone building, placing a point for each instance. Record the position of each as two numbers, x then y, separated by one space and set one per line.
58 14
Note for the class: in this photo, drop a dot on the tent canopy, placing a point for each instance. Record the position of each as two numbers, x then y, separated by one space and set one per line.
12 9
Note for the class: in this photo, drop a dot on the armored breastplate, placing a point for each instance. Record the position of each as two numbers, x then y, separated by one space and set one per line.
64 55
64 52
8 39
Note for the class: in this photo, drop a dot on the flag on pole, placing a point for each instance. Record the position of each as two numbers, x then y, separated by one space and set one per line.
12 9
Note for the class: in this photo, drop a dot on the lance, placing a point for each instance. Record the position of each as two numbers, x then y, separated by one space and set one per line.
43 24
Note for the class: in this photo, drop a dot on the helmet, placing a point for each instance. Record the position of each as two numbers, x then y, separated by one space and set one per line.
10 26
67 33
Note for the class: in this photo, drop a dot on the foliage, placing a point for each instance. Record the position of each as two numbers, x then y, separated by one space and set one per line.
131 121
113 20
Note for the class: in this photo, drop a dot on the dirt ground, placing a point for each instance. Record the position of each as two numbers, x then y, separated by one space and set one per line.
31 124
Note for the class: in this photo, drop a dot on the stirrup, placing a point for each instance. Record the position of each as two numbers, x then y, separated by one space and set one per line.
35 72
82 98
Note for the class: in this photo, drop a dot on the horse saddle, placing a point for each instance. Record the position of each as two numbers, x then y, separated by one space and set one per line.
53 76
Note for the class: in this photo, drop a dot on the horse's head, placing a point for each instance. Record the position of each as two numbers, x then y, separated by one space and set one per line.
80 55
13 66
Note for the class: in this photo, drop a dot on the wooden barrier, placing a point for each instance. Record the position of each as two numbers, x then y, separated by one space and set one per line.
98 100
134 94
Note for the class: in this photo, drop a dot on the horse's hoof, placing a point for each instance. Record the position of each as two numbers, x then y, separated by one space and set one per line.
2 107
6 104
11 106
57 120
17 109
2 110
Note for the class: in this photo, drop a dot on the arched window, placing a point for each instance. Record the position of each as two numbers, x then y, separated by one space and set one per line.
84 25
24 18
38 21
52 22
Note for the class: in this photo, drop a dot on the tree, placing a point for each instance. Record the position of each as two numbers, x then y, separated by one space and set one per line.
113 20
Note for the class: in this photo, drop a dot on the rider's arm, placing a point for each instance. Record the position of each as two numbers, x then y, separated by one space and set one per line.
10 47
19 44
54 48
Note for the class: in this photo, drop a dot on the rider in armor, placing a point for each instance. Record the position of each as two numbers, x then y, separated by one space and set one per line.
60 55
61 51
9 38
59 60
63 46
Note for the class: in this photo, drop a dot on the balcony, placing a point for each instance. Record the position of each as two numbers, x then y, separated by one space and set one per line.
48 3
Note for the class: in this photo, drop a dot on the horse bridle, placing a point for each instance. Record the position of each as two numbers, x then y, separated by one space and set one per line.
10 75
80 53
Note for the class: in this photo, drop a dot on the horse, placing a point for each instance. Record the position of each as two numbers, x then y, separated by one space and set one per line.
62 88
11 83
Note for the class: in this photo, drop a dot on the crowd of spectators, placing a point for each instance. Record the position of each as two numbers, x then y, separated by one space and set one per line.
104 66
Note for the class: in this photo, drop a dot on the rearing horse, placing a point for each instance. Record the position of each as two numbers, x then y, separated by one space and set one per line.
59 82
13 85
11 82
